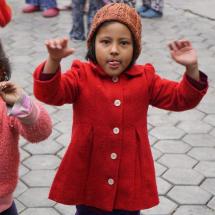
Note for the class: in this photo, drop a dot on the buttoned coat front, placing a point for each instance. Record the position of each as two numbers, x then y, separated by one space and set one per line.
108 163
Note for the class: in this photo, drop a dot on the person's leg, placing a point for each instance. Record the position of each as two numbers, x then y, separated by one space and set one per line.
94 6
146 4
10 211
155 10
77 32
46 4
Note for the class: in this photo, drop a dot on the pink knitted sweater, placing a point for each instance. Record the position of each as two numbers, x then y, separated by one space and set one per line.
10 130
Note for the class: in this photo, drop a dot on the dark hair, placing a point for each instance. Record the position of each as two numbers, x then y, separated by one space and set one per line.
91 53
4 65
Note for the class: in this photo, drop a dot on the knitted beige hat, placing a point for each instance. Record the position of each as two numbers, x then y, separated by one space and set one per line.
122 13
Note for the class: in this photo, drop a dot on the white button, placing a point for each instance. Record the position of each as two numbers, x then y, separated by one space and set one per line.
115 79
116 130
117 102
110 181
113 156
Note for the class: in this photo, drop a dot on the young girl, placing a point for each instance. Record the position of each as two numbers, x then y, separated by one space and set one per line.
19 115
108 167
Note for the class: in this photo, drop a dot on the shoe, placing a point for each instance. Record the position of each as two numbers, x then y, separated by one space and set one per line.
150 13
142 9
51 12
29 8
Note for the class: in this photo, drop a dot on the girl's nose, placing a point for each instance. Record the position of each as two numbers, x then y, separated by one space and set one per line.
114 49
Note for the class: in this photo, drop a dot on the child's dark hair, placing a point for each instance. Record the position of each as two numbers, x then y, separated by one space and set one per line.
5 71
91 54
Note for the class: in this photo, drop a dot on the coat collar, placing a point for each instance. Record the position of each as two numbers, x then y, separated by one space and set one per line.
134 71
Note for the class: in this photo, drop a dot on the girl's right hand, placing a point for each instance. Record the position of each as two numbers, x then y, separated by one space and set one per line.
58 48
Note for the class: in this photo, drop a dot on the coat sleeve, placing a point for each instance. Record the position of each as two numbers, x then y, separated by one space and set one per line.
171 95
61 88
35 127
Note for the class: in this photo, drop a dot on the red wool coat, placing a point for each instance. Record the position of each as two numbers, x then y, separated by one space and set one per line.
108 163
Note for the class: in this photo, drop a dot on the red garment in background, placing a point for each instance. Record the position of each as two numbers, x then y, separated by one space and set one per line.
5 13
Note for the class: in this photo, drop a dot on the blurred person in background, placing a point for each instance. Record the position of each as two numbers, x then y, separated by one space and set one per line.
151 9
48 7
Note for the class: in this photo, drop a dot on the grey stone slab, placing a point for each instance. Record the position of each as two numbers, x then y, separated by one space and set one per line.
62 152
211 204
210 119
23 154
203 153
23 170
209 185
198 140
42 178
194 127
213 132
156 153
166 206
172 146
64 126
207 105
161 120
189 195
177 160
152 139
193 210
163 186
207 168
65 209
167 132
48 146
39 162
36 197
180 176
20 188
19 206
64 139
40 211
187 115
159 169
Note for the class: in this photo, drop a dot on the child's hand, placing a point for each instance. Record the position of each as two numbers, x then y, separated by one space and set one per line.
58 48
10 92
183 53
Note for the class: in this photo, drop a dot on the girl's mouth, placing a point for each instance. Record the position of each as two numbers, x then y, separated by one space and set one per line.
114 64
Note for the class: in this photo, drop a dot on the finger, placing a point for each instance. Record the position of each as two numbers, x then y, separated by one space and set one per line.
58 43
178 44
185 43
48 43
65 42
173 47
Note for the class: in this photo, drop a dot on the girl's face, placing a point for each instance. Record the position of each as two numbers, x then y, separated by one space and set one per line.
114 48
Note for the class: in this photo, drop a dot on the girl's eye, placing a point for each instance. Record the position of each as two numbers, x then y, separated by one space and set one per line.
105 42
124 43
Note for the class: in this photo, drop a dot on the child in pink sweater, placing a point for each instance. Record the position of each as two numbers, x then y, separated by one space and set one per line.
19 115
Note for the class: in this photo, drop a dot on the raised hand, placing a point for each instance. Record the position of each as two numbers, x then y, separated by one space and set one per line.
58 48
10 92
183 53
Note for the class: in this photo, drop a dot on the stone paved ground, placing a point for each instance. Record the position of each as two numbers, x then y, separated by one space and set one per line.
183 144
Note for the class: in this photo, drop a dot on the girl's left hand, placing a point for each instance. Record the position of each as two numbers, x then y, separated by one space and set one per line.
10 92
183 53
